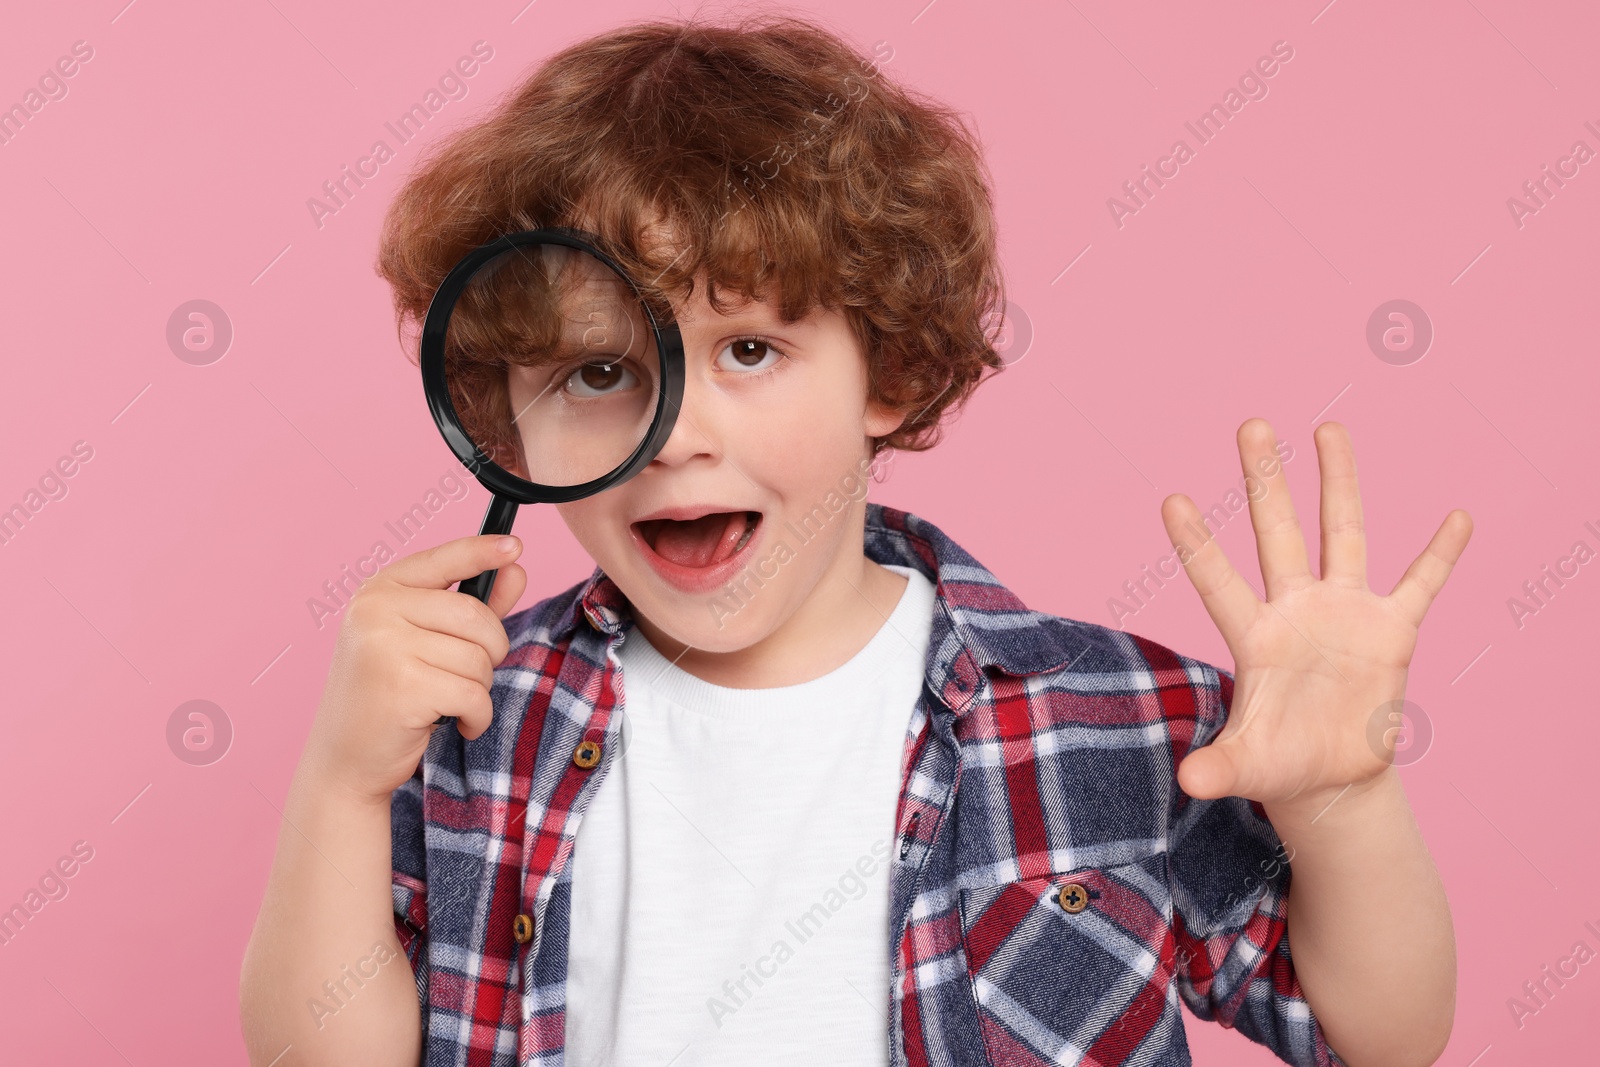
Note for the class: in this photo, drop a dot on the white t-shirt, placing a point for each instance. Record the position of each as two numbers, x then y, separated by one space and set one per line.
730 890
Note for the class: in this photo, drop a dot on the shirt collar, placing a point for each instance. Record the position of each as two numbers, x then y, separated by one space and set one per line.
978 623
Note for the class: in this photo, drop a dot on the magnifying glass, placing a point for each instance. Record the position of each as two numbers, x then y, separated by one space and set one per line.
548 372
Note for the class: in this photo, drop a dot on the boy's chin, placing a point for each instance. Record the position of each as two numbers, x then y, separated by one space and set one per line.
709 623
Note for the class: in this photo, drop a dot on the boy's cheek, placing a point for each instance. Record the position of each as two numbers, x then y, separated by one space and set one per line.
601 531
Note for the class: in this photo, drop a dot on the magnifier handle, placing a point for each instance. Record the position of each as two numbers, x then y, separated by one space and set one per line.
496 520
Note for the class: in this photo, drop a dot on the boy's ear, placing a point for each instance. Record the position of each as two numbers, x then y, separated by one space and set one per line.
881 421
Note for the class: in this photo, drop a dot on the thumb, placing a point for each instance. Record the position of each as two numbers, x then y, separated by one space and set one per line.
1211 772
508 586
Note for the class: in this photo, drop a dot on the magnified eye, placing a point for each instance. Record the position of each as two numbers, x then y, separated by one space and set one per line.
752 354
600 378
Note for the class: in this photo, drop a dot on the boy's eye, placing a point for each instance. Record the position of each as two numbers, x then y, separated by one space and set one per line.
750 353
598 379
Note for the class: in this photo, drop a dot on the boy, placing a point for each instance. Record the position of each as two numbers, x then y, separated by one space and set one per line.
792 777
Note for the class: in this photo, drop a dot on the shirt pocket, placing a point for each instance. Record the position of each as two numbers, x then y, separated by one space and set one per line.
1075 966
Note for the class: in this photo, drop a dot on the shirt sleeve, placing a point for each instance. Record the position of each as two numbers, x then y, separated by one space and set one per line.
410 877
1230 888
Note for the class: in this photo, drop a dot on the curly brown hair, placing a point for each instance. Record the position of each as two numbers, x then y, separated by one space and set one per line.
783 161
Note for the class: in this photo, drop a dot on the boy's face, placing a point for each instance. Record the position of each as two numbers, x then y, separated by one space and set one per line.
775 422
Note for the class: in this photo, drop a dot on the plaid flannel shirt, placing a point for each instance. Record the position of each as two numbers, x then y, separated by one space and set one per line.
1041 756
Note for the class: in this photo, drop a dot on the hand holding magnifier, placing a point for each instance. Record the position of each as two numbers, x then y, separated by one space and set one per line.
548 373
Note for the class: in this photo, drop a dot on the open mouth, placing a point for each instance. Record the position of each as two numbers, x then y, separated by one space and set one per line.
699 543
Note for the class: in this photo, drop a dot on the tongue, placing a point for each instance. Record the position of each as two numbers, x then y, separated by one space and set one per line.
700 542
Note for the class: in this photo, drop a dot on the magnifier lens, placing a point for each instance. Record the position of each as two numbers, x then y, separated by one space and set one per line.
552 365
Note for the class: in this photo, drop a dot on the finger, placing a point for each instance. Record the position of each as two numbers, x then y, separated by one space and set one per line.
508 587
1224 767
1344 538
1415 590
1210 772
451 612
468 659
1227 597
453 561
459 698
1280 544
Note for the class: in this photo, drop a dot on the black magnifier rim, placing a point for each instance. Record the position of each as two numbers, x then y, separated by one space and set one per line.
495 478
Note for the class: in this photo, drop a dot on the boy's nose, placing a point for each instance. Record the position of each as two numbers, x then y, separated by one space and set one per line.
692 429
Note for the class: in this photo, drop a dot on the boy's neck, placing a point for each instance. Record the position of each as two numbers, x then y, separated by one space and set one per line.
850 603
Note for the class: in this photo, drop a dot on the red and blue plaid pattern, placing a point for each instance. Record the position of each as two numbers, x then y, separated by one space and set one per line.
1042 754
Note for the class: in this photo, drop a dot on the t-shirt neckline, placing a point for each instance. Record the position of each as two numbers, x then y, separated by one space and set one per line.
905 633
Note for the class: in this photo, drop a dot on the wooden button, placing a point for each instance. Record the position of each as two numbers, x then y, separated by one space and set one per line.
522 929
1072 897
587 754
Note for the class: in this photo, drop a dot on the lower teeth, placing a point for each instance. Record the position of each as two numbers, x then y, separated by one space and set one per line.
745 537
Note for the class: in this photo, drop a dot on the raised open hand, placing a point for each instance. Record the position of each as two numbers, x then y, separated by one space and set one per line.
1316 661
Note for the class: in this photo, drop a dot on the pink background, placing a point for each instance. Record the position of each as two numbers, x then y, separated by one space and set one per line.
220 497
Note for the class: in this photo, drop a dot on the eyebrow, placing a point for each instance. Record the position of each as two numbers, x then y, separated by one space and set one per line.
760 314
